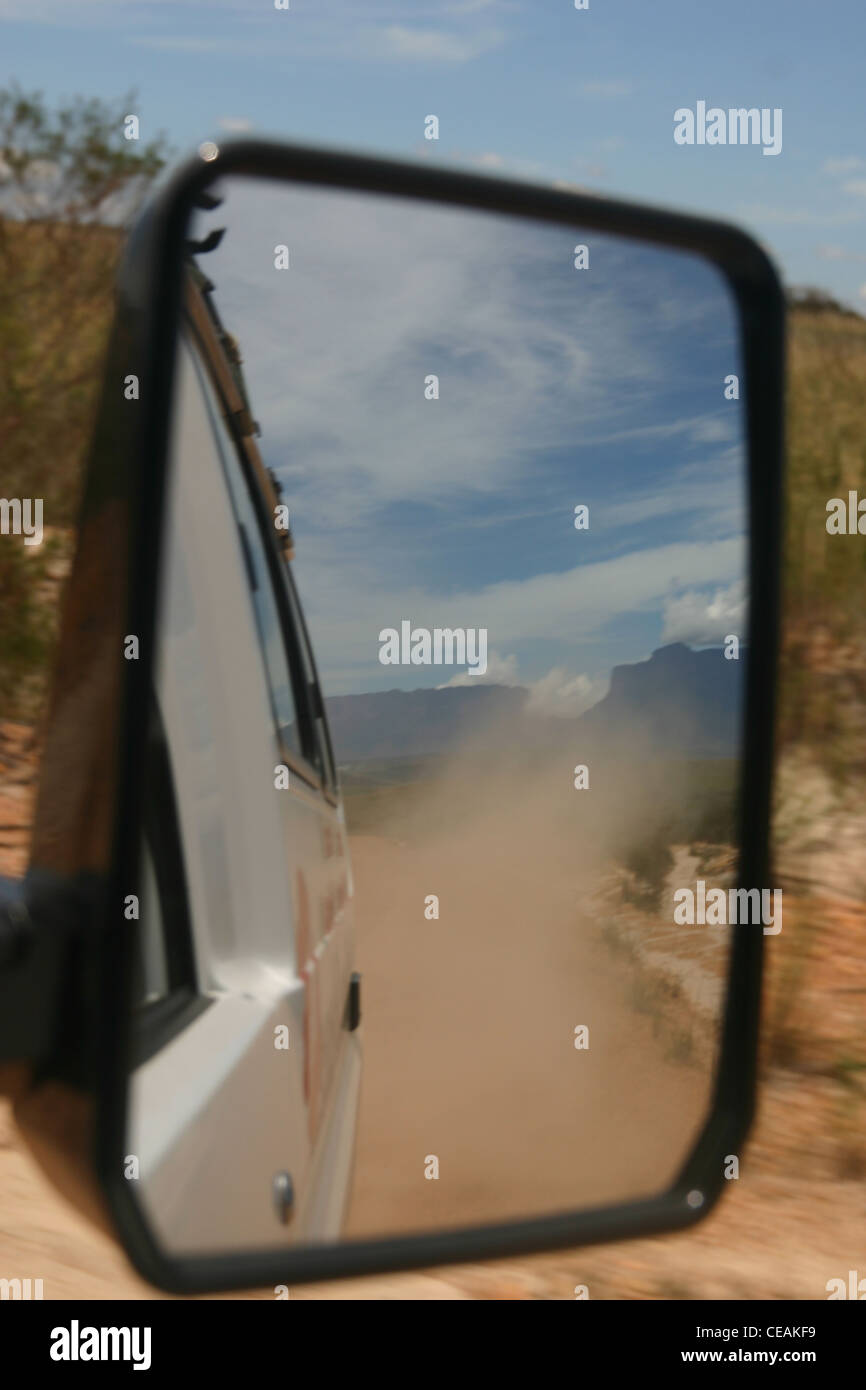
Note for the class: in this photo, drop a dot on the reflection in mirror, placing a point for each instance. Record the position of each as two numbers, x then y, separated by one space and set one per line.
452 639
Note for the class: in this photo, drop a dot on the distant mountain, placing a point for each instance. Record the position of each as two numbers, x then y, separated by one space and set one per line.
680 702
408 723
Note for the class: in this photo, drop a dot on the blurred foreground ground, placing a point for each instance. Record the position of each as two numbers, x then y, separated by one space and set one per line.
794 1219
784 1228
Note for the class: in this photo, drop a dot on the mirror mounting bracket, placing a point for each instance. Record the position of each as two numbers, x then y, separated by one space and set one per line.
43 1014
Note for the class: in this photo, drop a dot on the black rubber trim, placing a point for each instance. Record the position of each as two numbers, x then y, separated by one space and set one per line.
133 447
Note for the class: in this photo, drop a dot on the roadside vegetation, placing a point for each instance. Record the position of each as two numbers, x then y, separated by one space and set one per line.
815 999
69 181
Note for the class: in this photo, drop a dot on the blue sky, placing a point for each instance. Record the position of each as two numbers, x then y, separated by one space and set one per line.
540 90
557 387
534 88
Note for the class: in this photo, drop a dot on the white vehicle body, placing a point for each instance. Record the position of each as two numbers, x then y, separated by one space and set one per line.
263 1047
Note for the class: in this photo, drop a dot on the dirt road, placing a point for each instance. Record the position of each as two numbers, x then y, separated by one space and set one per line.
469 1023
469 1033
469 1030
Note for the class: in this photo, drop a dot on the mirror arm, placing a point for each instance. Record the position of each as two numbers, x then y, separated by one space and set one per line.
42 976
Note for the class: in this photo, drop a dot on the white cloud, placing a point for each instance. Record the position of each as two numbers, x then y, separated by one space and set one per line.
336 352
371 321
701 489
54 11
855 186
843 166
515 166
501 670
341 30
237 125
559 692
762 212
591 168
564 695
438 45
203 43
461 7
108 14
701 618
838 253
347 604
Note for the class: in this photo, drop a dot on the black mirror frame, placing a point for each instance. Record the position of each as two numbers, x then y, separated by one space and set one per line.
132 439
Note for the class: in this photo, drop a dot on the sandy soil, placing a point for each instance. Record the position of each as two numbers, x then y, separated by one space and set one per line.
469 1024
469 1040
785 1228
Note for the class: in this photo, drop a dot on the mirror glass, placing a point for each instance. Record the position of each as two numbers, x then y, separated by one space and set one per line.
452 638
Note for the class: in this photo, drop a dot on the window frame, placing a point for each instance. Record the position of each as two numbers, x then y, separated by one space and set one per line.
321 728
157 1021
210 359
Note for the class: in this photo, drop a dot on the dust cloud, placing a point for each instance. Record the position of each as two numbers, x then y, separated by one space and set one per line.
469 1018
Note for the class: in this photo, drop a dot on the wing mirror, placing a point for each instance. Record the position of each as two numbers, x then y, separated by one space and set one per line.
399 879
